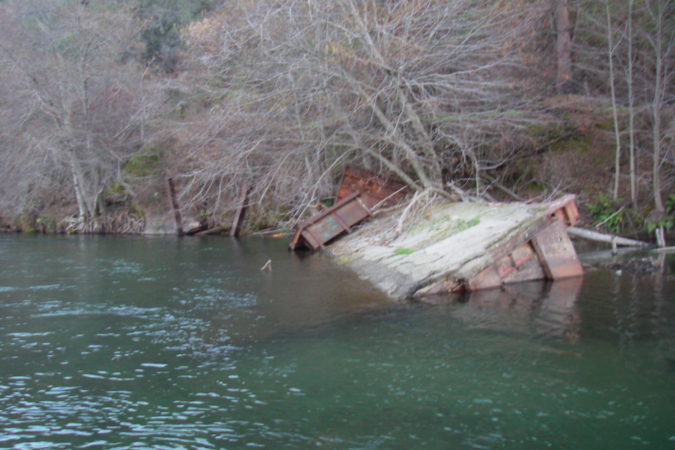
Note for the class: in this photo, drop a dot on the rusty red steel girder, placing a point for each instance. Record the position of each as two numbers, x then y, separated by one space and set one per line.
360 192
374 188
330 223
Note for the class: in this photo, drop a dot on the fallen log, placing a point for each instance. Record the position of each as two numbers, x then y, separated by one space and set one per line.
215 230
665 250
196 230
606 238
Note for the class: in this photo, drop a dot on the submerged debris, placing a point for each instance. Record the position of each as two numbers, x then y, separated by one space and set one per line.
637 266
448 247
452 247
361 194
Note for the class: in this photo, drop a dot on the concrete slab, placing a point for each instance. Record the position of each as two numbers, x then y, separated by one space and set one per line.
447 241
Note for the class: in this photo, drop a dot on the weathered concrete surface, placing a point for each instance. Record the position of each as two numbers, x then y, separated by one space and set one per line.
447 241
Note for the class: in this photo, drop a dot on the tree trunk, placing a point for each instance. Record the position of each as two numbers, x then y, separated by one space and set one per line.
631 111
656 107
617 134
563 47
85 213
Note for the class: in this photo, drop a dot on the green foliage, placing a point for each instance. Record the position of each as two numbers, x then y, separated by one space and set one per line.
670 204
608 212
116 190
667 222
142 164
25 223
579 143
46 224
136 210
164 20
404 251
466 224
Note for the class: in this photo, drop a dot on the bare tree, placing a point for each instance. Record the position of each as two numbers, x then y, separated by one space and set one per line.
644 51
615 113
563 45
75 87
631 107
421 89
658 10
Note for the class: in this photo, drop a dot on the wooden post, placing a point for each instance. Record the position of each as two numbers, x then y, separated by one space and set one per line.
174 204
240 215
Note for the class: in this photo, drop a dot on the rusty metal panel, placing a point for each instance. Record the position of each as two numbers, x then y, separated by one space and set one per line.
572 213
504 266
565 209
330 223
531 270
520 265
523 254
487 279
373 188
560 215
330 227
556 252
515 261
360 191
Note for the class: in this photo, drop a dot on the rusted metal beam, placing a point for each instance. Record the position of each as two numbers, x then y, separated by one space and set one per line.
360 192
565 209
556 252
374 188
330 223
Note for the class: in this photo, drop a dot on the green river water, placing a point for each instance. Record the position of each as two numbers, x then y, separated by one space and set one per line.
123 342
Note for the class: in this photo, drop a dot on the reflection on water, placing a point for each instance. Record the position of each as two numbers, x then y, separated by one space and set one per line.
546 309
166 343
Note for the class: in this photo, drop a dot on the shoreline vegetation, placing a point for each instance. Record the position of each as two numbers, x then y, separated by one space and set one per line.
101 101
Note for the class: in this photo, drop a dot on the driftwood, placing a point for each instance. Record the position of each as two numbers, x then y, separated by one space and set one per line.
215 230
274 232
196 230
606 238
